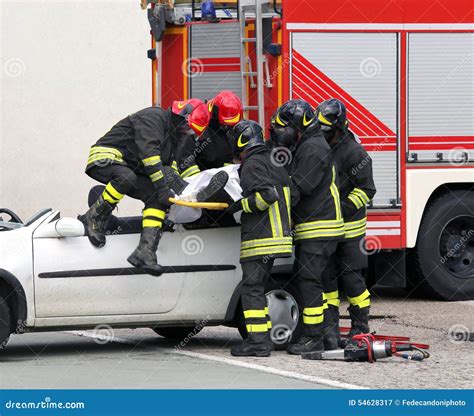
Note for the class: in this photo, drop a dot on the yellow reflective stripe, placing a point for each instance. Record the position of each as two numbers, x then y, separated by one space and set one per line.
228 164
245 206
156 176
332 295
257 328
358 299
355 200
152 223
151 161
335 194
174 165
364 304
362 195
286 192
265 251
320 233
262 205
322 224
275 220
266 310
103 156
255 313
269 324
153 212
109 198
261 242
352 225
99 149
317 310
313 320
356 232
193 170
334 302
358 198
113 192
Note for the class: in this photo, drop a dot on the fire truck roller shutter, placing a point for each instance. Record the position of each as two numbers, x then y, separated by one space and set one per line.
361 70
216 51
441 95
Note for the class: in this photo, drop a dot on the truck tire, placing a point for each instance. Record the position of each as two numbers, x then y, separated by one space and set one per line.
285 310
177 333
442 263
5 323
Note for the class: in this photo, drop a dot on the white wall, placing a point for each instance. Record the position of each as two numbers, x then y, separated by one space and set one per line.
69 71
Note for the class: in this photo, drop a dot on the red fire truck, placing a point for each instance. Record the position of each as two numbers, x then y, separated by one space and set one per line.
405 72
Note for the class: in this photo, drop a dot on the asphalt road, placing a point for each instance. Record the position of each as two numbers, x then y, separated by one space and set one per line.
141 359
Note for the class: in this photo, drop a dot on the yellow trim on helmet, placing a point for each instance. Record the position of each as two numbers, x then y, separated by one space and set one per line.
306 123
323 119
239 141
200 129
233 120
279 120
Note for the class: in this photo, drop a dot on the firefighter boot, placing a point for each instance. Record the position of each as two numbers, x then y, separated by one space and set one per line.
175 182
144 256
311 342
95 221
214 191
359 320
256 345
332 335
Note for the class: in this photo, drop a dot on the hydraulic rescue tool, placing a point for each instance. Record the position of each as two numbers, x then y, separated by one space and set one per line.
371 347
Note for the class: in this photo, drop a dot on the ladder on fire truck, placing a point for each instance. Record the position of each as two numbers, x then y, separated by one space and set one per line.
254 10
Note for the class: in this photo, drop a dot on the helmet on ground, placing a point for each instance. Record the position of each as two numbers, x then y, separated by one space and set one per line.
332 115
226 108
292 117
246 135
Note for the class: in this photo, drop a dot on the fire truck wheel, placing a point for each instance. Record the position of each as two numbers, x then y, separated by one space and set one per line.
442 263
5 326
178 333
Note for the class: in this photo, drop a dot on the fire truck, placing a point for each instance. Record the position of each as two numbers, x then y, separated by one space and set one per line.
405 71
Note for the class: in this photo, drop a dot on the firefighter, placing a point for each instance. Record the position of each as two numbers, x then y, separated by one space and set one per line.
265 231
356 189
129 160
316 212
212 148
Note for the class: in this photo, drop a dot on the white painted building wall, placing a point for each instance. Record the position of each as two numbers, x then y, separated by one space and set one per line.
69 70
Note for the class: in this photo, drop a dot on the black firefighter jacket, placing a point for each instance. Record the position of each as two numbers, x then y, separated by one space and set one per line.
266 204
317 210
356 183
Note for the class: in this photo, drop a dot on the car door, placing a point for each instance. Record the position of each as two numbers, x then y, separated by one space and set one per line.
73 278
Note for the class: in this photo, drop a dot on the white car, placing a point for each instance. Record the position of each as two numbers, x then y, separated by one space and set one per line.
51 277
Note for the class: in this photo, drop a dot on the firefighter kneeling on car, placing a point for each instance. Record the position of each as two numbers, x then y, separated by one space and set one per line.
265 231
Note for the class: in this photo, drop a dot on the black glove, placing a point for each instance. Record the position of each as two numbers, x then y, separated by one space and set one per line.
163 192
234 207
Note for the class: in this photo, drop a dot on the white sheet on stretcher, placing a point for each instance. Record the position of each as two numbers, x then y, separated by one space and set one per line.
182 215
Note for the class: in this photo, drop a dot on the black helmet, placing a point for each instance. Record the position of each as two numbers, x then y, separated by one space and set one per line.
331 115
292 117
245 135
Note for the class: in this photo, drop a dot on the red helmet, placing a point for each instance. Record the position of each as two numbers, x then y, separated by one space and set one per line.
226 108
185 108
199 119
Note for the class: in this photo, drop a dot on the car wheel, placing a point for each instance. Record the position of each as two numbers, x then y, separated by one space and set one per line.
5 326
177 333
284 309
442 263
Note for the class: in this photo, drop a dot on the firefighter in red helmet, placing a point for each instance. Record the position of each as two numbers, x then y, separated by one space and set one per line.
212 148
130 160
